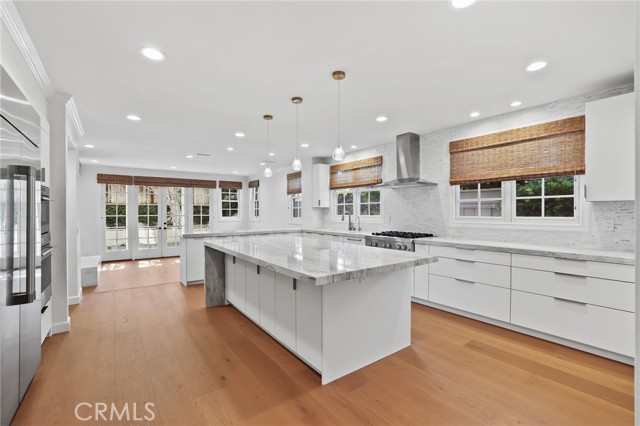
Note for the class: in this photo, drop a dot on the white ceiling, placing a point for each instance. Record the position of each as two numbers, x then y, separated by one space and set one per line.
425 65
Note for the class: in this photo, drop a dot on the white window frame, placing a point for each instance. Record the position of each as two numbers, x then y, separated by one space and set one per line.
490 219
254 204
335 217
509 219
293 197
190 205
220 210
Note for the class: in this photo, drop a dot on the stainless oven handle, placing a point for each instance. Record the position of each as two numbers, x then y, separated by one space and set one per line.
46 253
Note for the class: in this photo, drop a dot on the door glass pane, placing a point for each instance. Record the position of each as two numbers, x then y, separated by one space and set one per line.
115 213
174 200
148 198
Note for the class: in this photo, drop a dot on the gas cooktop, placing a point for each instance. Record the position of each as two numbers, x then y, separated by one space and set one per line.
400 234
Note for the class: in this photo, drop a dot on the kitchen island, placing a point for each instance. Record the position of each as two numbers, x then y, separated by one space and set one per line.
337 306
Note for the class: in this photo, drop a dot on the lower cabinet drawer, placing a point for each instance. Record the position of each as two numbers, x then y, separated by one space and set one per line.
484 273
610 271
485 256
596 326
596 291
485 300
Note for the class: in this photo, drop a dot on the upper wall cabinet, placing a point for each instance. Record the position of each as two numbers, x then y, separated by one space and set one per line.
610 151
321 196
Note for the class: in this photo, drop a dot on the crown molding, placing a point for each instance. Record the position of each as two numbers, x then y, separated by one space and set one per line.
16 28
72 110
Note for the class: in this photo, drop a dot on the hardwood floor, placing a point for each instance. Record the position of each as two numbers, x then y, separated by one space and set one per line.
119 275
213 366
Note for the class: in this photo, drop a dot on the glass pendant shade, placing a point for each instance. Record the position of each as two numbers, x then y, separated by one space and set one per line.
297 165
338 153
268 172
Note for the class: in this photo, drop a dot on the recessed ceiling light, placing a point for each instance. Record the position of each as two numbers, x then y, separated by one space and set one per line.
460 4
354 146
381 119
230 149
536 66
474 114
304 145
189 156
86 145
516 103
94 161
133 117
173 167
152 53
271 154
239 135
234 172
262 164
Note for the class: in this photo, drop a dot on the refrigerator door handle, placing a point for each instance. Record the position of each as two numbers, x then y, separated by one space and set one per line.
29 295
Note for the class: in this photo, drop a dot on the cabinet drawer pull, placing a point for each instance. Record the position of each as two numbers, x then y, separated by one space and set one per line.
258 269
575 302
466 260
566 274
464 281
354 239
295 284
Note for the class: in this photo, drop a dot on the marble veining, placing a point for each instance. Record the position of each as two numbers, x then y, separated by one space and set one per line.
335 232
572 253
322 262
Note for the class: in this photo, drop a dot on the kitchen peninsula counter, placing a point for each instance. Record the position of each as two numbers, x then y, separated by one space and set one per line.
338 307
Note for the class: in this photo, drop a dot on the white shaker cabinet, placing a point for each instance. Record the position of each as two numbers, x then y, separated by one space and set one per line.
309 323
253 291
321 197
240 285
230 279
421 275
609 148
268 300
286 311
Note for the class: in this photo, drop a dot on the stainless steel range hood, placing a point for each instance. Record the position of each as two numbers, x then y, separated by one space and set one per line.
407 163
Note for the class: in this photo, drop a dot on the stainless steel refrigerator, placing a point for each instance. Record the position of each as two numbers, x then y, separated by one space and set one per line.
19 245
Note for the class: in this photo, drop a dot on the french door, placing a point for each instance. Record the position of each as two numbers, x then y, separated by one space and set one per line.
160 221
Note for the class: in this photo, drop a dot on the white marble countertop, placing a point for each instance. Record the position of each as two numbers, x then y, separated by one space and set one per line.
335 232
323 262
563 252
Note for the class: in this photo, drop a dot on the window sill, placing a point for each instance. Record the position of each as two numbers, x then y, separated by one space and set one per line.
254 219
230 219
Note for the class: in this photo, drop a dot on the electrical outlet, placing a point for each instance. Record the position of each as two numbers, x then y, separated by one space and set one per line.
609 225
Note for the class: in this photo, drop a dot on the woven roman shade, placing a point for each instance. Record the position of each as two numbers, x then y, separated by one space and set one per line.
227 184
356 174
254 183
155 181
115 179
294 183
543 150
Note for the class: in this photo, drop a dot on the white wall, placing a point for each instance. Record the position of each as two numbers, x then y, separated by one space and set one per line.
427 209
90 210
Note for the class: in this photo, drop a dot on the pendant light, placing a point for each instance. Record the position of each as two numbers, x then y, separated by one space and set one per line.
297 164
338 153
267 170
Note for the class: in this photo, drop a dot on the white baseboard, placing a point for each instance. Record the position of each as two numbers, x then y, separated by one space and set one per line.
61 327
74 300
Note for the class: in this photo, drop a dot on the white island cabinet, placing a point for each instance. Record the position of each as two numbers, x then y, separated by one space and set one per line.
338 307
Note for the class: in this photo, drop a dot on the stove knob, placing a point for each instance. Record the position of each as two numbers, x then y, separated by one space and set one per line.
387 245
398 246
369 243
375 244
404 247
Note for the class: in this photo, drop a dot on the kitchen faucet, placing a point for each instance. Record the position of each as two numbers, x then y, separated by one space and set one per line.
351 227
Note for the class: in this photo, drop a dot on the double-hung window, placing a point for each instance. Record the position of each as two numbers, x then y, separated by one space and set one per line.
230 204
295 208
201 207
254 203
554 197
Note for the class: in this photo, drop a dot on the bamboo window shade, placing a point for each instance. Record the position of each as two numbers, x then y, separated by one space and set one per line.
254 183
156 181
355 174
228 184
115 179
294 183
543 150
